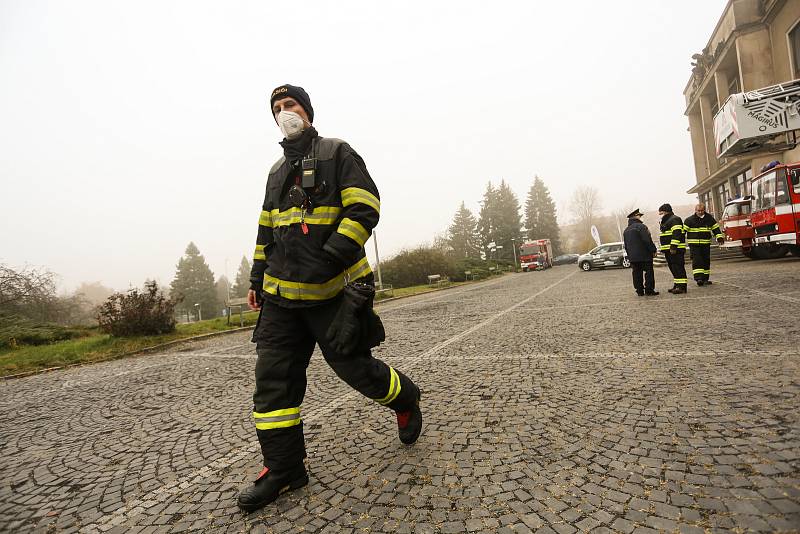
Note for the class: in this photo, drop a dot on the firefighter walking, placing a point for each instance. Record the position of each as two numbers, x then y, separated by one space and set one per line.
673 245
700 228
313 284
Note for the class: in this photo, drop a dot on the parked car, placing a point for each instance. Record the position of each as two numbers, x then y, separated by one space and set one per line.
566 259
605 255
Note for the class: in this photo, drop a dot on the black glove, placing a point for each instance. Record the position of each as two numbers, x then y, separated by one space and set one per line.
355 326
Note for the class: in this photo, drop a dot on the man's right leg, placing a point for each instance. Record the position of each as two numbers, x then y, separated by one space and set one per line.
284 347
698 269
637 274
370 376
679 273
649 279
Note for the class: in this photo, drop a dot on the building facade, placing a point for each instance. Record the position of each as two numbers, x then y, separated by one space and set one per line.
755 44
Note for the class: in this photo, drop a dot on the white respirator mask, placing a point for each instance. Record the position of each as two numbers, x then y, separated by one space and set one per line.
291 124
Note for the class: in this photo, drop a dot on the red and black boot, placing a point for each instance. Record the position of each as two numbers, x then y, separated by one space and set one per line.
409 422
270 485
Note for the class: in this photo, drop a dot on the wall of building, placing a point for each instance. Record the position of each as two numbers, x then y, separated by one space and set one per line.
784 20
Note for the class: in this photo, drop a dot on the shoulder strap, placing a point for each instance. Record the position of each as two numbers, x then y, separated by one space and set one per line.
327 146
277 165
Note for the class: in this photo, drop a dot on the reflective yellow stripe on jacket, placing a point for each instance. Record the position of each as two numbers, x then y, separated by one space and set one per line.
307 291
259 253
319 215
354 230
353 195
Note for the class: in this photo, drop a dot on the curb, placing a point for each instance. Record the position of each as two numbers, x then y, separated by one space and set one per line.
160 346
145 350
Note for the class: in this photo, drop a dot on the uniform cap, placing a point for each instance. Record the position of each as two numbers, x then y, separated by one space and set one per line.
635 213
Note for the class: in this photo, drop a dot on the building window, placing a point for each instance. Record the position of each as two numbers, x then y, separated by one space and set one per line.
722 194
733 84
705 198
739 183
794 49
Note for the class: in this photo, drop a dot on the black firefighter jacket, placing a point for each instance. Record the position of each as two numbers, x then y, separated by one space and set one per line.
699 231
638 244
672 232
305 257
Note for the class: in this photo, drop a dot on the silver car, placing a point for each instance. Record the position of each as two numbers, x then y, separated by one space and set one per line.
605 255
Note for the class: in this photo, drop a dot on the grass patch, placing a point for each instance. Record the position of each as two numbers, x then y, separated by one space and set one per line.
98 346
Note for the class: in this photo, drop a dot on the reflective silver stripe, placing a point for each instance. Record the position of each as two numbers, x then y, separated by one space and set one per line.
276 418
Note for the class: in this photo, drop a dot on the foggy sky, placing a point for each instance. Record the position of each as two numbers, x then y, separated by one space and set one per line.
129 129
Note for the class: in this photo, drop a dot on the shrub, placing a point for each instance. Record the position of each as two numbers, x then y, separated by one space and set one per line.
412 267
138 313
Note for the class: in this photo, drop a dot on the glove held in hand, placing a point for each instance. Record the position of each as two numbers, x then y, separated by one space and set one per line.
356 326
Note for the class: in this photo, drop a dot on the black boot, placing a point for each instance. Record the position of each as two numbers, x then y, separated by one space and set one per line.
270 485
700 282
708 282
651 293
409 422
680 290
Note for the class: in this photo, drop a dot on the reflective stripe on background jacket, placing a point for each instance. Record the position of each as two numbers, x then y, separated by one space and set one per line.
298 268
671 232
699 231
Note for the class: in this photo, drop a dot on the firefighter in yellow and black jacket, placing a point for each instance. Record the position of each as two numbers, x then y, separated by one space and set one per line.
699 229
673 246
313 285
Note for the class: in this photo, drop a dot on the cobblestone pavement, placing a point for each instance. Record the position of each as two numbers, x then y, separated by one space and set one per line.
555 401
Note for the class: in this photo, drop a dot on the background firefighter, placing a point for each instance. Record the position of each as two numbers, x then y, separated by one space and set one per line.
319 209
700 227
673 246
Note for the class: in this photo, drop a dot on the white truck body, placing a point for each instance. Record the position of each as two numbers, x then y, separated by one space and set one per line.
746 122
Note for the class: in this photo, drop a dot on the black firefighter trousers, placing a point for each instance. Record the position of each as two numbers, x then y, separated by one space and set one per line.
285 339
701 262
676 265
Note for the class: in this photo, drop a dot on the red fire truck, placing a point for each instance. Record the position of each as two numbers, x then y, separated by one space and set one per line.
735 224
775 211
536 255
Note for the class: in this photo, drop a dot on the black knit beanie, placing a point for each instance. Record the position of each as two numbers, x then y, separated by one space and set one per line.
666 208
293 91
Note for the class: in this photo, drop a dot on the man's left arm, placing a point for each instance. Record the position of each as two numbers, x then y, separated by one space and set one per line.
716 231
361 208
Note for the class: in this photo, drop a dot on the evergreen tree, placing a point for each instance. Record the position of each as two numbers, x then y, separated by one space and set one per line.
242 283
194 284
462 236
486 218
540 215
508 231
500 220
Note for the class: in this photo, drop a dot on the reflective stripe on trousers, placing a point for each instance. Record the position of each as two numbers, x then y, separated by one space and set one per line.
277 419
394 388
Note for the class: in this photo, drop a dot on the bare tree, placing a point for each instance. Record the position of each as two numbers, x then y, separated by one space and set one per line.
585 204
27 286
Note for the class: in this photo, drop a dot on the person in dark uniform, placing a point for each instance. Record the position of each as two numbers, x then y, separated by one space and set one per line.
641 250
313 284
673 245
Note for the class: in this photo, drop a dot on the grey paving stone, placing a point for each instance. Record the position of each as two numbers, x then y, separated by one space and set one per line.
582 420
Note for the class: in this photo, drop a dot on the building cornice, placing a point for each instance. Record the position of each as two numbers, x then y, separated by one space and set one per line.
733 166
